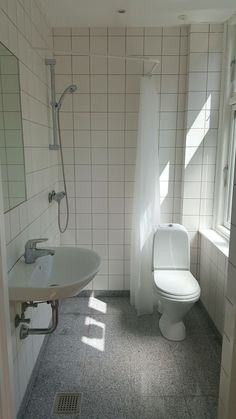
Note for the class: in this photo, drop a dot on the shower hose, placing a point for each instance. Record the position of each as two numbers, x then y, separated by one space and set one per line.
62 230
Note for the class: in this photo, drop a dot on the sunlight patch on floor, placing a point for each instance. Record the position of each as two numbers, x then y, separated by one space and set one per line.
97 305
99 328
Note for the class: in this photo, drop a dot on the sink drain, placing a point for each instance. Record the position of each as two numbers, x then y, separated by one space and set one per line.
67 403
54 285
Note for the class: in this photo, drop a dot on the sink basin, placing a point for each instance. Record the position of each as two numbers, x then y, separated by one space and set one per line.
53 277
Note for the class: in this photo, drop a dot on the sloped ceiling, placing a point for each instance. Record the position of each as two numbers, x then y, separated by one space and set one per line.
138 12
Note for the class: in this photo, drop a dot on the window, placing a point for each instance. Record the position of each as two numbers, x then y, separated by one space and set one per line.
229 171
227 137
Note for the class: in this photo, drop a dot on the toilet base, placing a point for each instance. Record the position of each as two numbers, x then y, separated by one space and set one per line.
170 330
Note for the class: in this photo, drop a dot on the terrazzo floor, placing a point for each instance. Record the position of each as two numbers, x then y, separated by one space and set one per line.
123 366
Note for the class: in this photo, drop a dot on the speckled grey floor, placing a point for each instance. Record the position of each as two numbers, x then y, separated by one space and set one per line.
124 367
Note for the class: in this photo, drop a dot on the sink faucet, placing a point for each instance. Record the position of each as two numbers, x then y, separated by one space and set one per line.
32 252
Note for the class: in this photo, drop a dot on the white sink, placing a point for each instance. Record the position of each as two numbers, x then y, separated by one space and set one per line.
53 277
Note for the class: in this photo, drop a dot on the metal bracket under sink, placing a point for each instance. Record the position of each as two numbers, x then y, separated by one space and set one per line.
25 330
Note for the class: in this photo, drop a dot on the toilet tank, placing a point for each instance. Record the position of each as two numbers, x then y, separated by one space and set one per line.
171 247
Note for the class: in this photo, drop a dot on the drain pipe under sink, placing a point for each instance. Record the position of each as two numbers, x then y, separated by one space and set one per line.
26 331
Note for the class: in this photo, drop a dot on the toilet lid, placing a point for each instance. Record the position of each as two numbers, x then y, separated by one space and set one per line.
174 282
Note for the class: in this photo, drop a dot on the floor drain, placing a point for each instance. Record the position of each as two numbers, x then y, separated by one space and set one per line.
67 403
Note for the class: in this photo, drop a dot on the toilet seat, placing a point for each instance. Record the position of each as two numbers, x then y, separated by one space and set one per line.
176 285
180 299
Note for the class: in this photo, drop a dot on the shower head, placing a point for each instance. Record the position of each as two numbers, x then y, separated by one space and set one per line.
70 89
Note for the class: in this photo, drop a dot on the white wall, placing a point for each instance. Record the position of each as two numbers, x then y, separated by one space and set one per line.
99 126
22 26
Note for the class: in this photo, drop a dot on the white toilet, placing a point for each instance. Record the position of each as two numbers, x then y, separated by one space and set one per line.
177 289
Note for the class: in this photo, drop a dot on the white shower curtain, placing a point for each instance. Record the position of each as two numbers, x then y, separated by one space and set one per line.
146 206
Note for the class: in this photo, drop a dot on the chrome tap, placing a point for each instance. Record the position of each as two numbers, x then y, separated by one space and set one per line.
32 253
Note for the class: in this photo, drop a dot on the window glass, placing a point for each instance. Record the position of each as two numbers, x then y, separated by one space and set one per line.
229 171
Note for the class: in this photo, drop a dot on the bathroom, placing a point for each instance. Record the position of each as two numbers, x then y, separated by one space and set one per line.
103 344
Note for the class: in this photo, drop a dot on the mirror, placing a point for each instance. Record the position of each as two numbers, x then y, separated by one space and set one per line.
11 134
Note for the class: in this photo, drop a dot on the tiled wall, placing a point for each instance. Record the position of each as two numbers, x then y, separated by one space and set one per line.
213 275
99 130
23 26
11 141
202 119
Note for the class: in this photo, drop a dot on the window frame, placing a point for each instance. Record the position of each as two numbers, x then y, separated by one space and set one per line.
226 142
229 168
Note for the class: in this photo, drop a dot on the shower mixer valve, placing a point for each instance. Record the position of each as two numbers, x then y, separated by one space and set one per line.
56 196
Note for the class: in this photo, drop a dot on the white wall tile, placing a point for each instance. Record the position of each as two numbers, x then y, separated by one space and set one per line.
116 121
215 42
98 65
99 103
198 42
83 221
116 45
116 172
134 45
169 84
80 64
98 45
170 64
116 102
198 61
116 66
197 82
98 84
213 81
80 44
99 138
116 84
62 43
152 45
81 103
98 121
99 156
171 45
153 31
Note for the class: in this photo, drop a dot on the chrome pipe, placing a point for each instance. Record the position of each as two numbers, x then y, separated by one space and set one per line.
26 331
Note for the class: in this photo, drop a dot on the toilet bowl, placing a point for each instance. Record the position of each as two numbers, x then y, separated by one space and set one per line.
175 287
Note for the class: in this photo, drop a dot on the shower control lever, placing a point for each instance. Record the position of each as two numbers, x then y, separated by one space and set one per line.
56 196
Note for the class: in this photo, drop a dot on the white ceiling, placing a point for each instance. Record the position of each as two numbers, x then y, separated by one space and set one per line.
139 12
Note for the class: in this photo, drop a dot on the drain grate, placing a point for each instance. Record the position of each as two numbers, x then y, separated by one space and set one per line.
67 403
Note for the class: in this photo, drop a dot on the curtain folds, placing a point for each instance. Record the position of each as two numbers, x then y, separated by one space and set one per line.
146 204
